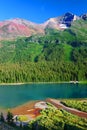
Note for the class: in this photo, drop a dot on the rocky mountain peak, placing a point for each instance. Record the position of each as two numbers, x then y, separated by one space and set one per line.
68 18
61 22
84 16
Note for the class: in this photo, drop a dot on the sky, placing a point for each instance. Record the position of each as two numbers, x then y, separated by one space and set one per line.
39 11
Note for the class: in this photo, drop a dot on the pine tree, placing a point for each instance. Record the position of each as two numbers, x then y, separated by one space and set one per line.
9 117
2 117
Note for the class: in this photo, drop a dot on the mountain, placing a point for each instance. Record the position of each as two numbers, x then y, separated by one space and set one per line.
13 28
61 22
55 56
55 45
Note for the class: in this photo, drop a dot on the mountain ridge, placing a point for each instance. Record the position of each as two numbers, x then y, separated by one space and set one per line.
13 28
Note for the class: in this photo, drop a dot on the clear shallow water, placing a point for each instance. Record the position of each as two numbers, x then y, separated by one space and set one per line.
11 96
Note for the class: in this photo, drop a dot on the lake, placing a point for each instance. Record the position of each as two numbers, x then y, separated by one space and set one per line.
14 95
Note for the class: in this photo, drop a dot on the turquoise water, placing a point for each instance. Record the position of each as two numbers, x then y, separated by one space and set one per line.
11 96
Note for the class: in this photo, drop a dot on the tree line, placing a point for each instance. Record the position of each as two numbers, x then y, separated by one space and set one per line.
42 72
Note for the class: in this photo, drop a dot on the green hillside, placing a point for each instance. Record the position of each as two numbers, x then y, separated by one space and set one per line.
65 49
19 51
55 45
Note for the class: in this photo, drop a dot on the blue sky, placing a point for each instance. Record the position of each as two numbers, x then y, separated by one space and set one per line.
40 10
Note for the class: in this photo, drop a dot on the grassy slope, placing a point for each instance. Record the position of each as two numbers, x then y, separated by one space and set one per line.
67 50
34 50
19 51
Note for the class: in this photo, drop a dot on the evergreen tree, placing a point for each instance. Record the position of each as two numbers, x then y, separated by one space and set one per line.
2 117
9 117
